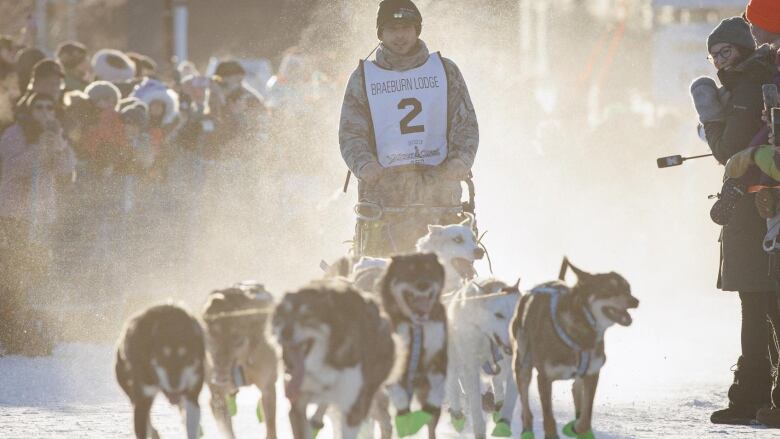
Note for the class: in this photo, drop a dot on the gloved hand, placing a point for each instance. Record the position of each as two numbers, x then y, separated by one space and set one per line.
739 163
455 169
706 99
370 172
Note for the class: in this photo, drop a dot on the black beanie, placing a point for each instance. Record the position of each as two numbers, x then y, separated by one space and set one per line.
398 10
734 30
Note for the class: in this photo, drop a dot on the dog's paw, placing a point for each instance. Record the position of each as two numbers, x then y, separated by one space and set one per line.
503 429
527 435
259 412
410 423
458 420
568 430
230 401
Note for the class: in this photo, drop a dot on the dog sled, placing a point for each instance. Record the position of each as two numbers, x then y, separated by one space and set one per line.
383 229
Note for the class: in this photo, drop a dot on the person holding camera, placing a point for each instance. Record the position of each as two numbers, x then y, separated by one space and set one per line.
731 118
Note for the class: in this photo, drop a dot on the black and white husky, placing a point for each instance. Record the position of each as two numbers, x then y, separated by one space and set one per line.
161 349
338 349
411 290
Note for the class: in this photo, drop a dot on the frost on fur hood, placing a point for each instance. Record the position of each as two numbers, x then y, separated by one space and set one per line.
151 90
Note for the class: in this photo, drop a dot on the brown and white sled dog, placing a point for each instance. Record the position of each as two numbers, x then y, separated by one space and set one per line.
411 290
161 349
338 349
559 331
238 352
479 317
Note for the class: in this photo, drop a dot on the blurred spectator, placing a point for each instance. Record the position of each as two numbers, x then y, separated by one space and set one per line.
33 152
144 66
26 60
163 105
7 57
104 142
115 67
47 78
73 57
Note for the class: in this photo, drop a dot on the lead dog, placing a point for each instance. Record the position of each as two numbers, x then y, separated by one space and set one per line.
479 315
238 352
559 331
161 349
338 349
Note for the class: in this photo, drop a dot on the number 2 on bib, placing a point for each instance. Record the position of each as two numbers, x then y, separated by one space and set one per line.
416 109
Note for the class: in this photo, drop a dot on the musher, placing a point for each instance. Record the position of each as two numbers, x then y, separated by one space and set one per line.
409 133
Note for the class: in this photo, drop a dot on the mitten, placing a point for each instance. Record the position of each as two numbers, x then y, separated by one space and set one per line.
706 99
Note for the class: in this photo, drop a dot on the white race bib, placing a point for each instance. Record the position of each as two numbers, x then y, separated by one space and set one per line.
408 113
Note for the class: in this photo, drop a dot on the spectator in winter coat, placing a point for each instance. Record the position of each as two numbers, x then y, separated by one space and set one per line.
104 142
144 66
764 19
26 59
163 105
115 67
744 265
375 137
73 57
33 153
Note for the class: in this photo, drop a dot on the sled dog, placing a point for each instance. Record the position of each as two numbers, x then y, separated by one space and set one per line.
338 349
559 331
161 349
479 316
238 352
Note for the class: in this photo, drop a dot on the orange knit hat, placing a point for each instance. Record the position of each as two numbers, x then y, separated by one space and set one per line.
764 14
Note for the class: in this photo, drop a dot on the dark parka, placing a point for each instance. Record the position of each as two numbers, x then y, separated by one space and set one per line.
743 262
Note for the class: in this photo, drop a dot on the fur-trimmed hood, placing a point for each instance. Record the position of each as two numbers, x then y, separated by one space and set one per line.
151 90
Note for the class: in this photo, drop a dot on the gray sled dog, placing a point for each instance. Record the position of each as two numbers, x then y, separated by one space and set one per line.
559 331
338 349
480 347
238 352
161 349
411 296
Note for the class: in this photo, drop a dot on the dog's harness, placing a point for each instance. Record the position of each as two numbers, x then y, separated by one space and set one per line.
584 356
414 357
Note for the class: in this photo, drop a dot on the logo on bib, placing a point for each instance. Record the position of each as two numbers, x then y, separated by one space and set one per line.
414 158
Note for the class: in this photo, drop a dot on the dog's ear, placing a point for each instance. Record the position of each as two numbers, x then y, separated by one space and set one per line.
434 229
469 221
582 276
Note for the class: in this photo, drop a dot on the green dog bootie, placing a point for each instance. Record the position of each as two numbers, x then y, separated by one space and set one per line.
232 407
568 430
502 429
458 422
259 412
412 422
527 435
200 431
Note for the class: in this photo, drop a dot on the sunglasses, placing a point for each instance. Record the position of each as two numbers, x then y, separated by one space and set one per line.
724 54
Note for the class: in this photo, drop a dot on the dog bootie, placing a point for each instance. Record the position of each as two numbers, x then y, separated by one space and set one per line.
458 421
730 194
412 422
502 429
259 412
316 427
232 407
568 430
527 435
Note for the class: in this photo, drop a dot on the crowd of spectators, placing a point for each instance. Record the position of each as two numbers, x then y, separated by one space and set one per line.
107 161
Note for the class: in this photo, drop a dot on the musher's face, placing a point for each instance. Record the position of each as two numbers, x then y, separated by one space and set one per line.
400 36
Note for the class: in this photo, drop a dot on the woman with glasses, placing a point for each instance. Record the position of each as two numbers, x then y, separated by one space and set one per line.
731 118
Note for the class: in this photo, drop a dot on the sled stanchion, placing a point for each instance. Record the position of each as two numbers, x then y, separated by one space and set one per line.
346 181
